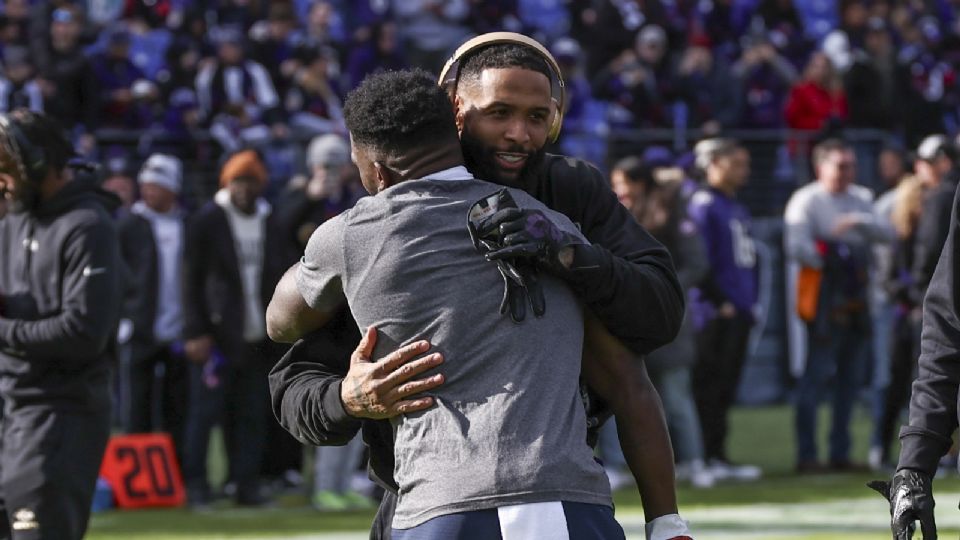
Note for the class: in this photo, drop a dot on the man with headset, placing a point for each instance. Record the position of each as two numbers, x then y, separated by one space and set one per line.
59 307
508 97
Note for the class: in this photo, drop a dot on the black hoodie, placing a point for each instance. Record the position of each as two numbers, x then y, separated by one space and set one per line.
59 300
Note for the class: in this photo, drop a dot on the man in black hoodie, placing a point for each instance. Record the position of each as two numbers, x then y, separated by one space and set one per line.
59 305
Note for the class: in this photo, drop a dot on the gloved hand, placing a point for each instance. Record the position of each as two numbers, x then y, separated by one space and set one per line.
529 234
520 281
910 495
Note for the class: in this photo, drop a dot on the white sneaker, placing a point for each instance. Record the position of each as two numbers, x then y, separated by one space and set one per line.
724 470
875 458
696 472
701 477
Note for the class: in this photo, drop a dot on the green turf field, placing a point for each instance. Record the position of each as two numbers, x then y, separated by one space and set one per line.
779 507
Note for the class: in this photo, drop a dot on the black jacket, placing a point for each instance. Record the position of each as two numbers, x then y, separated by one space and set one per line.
59 300
934 405
213 291
630 284
932 231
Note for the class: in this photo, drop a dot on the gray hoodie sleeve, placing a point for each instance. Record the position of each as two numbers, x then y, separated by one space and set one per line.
90 300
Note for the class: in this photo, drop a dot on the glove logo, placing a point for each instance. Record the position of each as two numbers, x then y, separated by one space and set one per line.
25 520
902 502
538 227
91 271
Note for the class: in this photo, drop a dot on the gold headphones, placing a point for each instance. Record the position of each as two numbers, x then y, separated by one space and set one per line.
450 74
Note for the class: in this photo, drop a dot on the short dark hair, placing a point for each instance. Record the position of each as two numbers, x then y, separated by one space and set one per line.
500 56
396 111
824 148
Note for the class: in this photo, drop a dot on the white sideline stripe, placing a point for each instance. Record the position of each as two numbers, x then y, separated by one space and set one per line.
534 520
838 517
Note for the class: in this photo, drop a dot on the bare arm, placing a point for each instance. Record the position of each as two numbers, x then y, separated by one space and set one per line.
288 316
620 378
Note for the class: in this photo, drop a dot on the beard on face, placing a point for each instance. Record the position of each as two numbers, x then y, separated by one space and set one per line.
481 162
20 197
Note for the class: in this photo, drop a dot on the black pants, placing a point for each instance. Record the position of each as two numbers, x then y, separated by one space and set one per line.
49 462
282 453
723 348
236 401
904 352
146 394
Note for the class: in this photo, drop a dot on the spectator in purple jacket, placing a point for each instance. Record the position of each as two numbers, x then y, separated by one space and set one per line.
613 25
728 296
71 90
324 28
706 88
782 21
723 23
314 104
236 96
18 87
641 79
275 44
118 75
381 51
182 61
764 78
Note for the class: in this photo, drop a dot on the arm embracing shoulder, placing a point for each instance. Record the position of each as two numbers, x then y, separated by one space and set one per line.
305 391
625 275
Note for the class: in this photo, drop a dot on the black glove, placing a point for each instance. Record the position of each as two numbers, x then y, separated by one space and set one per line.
910 495
528 234
520 280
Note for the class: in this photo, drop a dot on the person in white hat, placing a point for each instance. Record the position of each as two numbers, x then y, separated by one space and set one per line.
152 241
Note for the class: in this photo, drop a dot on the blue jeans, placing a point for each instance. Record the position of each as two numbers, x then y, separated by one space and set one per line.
608 446
840 354
882 318
673 385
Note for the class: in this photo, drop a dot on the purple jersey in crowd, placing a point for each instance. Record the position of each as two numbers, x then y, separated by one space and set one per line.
725 226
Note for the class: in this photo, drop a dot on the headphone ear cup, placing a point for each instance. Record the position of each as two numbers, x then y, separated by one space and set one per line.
557 122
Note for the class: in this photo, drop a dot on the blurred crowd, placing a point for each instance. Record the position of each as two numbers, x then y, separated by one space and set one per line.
857 263
249 92
260 72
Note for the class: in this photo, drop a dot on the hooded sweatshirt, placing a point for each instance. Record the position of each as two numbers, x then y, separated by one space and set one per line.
60 291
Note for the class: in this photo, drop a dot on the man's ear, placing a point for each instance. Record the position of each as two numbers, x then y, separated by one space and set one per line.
384 176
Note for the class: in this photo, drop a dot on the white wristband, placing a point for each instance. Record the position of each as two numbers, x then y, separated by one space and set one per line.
667 527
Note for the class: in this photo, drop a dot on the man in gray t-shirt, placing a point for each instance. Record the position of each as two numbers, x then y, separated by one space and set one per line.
508 428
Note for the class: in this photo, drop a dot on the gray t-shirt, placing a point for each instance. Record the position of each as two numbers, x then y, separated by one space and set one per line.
508 426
